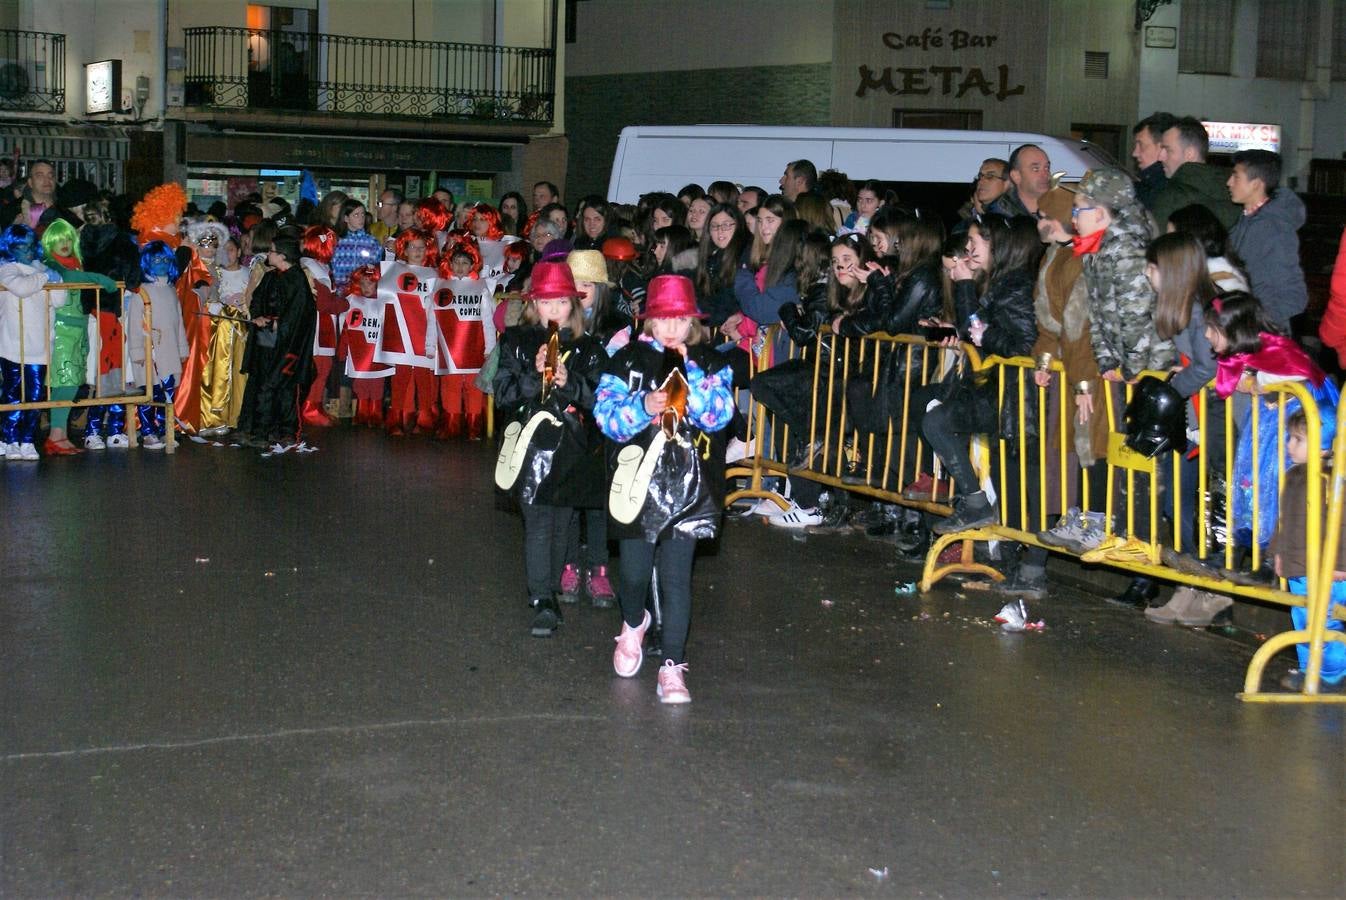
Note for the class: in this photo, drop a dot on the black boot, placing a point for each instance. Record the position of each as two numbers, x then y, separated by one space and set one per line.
972 511
546 616
1139 594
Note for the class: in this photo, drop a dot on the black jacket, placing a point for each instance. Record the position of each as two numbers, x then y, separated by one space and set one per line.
286 297
720 303
575 477
896 309
1007 310
802 320
643 367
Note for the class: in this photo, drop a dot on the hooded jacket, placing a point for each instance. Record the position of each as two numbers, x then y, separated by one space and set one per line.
1199 183
1268 243
1122 301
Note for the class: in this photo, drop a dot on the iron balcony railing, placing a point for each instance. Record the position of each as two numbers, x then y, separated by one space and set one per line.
243 68
32 71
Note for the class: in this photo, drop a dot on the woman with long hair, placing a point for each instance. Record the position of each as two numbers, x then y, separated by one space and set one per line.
723 243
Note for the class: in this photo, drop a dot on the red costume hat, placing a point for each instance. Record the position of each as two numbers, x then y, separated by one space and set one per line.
620 249
670 297
319 242
553 281
432 215
417 234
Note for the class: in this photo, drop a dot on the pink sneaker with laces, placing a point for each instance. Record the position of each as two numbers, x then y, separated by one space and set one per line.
570 584
599 587
672 686
630 652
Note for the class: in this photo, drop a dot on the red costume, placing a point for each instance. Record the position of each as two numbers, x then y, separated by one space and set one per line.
317 246
359 338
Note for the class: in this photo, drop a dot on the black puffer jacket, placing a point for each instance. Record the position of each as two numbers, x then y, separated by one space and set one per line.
1007 310
802 320
896 308
575 477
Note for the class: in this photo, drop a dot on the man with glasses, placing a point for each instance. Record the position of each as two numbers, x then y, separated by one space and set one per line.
991 182
386 225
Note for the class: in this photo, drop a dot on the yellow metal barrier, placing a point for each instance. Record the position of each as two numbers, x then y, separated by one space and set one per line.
838 454
131 400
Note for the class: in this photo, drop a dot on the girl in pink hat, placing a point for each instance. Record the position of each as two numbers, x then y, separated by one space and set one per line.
663 402
551 457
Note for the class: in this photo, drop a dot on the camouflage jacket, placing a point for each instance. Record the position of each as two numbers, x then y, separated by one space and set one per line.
1121 300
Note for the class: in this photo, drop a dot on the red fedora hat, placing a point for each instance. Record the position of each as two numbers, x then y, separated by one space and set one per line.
551 281
671 297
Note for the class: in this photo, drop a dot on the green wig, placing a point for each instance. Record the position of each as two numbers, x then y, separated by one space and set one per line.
58 232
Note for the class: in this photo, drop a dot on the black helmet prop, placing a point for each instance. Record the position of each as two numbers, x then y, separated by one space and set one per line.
1156 418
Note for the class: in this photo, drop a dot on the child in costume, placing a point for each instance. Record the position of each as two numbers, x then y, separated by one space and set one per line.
279 358
1251 352
70 329
413 406
25 323
1287 547
112 253
317 247
546 391
590 272
359 336
223 329
663 403
162 371
462 404
158 217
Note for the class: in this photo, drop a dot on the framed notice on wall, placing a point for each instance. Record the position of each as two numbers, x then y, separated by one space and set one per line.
1161 37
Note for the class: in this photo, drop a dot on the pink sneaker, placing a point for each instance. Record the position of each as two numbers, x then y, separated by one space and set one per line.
630 652
599 588
672 688
570 584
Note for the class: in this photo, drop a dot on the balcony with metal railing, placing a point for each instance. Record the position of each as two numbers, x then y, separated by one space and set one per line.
286 71
32 71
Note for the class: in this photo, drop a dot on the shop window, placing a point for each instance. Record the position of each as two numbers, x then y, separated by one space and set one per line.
952 119
1285 29
1206 36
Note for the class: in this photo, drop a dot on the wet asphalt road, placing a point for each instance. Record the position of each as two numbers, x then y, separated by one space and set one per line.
229 676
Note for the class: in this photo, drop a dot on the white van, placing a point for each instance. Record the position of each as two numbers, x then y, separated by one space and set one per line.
664 158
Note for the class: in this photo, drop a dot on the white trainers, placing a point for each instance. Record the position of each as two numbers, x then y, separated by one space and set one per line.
151 442
737 450
28 452
4 449
94 442
118 442
796 517
672 687
768 507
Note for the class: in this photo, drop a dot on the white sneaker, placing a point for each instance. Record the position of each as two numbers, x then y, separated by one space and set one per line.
27 452
796 517
118 442
10 451
94 442
768 508
151 442
738 450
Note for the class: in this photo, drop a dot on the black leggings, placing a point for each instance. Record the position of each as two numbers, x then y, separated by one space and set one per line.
636 562
595 544
545 531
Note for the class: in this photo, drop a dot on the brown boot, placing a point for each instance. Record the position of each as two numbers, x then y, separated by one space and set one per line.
1204 609
1178 605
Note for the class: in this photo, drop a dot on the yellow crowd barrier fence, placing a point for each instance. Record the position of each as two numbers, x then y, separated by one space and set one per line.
132 399
842 411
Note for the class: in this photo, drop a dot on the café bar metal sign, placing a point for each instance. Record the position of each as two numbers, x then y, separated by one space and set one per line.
949 81
1231 137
